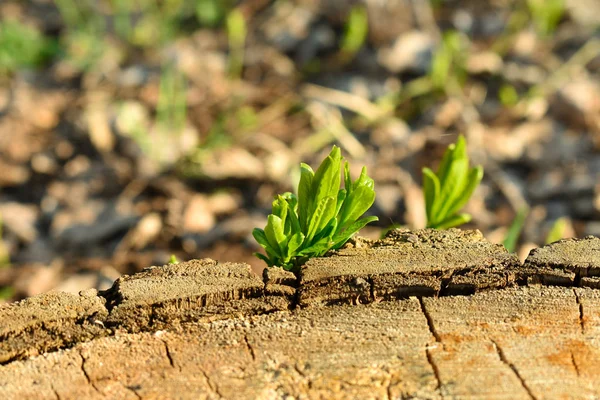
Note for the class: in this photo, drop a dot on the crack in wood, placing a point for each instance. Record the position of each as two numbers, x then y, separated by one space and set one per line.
436 336
574 362
211 384
514 369
133 389
581 316
429 321
436 370
55 392
249 347
169 355
85 373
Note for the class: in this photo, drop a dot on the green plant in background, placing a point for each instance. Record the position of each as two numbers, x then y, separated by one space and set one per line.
173 259
508 95
356 31
448 69
4 254
212 12
236 34
172 103
320 218
6 292
22 46
83 39
546 14
448 190
558 230
514 231
158 22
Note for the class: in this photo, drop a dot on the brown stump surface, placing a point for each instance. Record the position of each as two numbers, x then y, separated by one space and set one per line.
417 315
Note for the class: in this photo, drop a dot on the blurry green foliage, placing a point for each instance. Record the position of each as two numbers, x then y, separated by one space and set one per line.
514 231
357 28
22 46
4 254
172 102
212 12
246 118
83 47
546 14
508 95
558 230
6 292
236 33
448 64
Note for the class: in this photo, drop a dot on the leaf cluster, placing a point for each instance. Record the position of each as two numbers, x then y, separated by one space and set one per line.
320 218
448 190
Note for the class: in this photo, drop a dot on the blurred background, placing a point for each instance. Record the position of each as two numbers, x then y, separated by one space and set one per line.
133 130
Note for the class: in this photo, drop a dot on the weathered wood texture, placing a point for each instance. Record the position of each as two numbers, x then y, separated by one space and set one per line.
227 334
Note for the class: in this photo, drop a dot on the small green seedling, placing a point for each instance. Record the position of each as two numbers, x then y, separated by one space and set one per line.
320 218
173 259
448 190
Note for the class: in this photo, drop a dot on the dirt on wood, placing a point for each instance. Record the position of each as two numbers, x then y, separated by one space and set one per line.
208 330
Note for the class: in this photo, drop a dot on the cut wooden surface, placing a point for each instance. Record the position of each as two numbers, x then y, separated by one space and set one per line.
49 322
193 291
568 262
517 343
408 263
209 330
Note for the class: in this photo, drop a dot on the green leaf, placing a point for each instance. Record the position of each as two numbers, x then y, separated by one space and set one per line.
317 249
280 208
294 244
431 188
305 195
321 216
356 204
327 231
452 187
260 237
364 180
347 177
342 237
472 181
326 182
453 221
264 258
274 234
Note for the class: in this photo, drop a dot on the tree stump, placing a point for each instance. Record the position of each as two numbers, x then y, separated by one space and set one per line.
420 314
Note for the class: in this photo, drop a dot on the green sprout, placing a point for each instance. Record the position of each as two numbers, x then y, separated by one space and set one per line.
448 190
173 259
320 218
